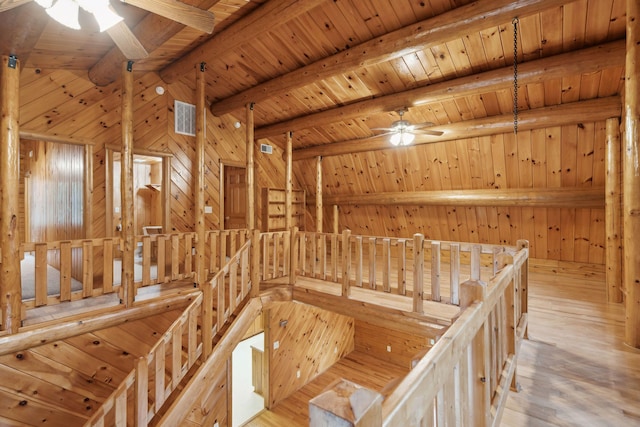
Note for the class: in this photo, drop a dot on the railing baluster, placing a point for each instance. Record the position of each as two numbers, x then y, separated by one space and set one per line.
146 260
418 273
141 392
107 266
386 265
160 360
359 261
435 271
41 276
372 262
65 270
454 273
402 267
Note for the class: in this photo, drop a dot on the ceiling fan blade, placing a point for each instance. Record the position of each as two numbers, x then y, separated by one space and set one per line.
384 129
191 16
424 125
127 42
428 132
10 4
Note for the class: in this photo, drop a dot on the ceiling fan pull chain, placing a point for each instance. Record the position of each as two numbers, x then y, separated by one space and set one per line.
515 75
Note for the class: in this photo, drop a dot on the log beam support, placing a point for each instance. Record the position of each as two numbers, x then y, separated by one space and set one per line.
579 197
10 282
251 199
126 186
613 217
631 177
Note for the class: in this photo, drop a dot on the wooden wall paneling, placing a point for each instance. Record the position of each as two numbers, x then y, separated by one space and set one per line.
309 341
397 347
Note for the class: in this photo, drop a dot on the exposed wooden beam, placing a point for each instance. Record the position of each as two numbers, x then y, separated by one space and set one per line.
554 67
21 30
152 32
455 24
242 31
10 4
575 112
561 197
179 11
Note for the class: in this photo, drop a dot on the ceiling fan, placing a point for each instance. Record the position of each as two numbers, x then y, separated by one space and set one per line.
403 132
66 12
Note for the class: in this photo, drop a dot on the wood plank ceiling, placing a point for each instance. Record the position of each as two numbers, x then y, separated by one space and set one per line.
331 71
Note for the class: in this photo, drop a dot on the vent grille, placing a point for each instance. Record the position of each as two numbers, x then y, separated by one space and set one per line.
185 118
266 148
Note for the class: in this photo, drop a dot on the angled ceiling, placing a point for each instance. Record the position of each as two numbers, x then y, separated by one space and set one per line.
333 70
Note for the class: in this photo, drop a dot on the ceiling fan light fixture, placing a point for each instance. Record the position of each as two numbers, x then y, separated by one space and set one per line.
65 12
107 18
402 138
45 3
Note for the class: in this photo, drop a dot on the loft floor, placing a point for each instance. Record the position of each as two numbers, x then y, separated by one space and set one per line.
573 370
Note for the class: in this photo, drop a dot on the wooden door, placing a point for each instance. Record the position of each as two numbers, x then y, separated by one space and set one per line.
235 197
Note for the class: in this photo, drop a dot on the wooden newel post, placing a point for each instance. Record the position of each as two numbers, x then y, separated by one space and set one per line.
346 263
480 400
10 283
346 404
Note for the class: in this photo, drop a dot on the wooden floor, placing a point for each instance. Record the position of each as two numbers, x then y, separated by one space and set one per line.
573 371
357 367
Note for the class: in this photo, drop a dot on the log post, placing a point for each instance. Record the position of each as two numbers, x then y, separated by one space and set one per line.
346 404
288 185
418 273
10 282
251 199
335 219
612 205
87 190
631 177
201 136
126 186
319 194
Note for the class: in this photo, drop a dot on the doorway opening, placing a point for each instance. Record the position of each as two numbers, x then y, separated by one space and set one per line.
233 195
247 384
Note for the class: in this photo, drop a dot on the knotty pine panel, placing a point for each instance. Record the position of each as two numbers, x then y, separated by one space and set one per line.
312 341
553 157
389 345
212 404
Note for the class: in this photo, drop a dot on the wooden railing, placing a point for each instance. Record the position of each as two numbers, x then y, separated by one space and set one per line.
165 258
63 271
465 377
276 254
220 244
167 359
145 389
394 265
